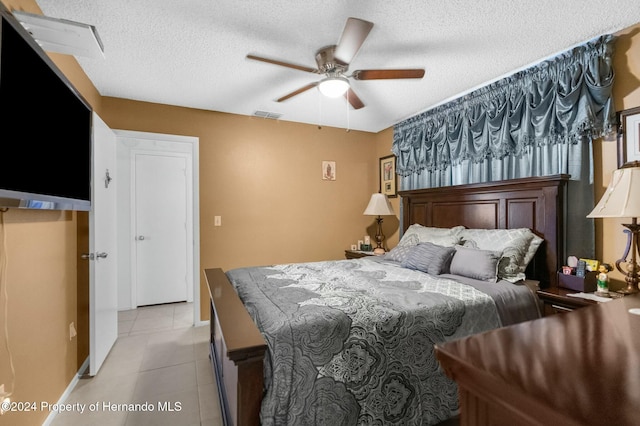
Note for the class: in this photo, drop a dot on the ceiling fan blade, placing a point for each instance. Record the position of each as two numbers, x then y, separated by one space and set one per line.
297 92
353 99
354 33
284 64
387 74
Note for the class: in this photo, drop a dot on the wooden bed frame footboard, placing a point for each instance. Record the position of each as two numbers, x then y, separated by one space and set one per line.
237 352
238 348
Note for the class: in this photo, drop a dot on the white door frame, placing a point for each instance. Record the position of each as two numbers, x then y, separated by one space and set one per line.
131 139
134 244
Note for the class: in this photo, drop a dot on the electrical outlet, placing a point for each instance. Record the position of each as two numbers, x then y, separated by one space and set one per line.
72 331
217 221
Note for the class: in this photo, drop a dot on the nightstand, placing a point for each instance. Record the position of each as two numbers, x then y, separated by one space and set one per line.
556 301
355 254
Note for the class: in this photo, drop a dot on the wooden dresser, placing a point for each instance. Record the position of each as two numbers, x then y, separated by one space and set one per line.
581 368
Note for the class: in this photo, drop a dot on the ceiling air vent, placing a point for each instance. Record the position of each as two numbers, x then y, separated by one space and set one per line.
61 35
267 114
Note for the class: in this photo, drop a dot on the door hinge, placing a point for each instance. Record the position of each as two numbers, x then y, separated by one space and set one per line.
107 179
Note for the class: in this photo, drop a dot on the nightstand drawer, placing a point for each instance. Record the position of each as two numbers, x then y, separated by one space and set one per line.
557 308
556 301
355 254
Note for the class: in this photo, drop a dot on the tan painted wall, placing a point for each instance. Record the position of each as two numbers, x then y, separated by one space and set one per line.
41 290
390 225
610 240
264 178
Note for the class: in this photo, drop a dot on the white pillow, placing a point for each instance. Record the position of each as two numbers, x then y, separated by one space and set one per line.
409 240
447 237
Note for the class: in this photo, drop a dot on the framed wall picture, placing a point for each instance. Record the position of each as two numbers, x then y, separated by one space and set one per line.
628 136
328 170
388 182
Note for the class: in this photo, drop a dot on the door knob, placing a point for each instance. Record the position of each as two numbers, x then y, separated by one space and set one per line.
101 255
140 237
87 256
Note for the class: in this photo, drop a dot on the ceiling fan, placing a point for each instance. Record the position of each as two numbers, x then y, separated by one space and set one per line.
333 61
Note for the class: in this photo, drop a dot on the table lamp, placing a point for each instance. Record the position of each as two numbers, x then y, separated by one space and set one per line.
379 205
622 199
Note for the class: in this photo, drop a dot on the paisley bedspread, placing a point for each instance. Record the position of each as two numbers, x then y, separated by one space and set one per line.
351 342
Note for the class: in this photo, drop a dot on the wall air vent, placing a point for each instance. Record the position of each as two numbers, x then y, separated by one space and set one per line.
267 114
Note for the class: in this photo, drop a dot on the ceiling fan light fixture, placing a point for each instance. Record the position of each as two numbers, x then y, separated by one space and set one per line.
332 87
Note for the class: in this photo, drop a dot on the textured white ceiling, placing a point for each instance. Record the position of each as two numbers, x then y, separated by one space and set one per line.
192 53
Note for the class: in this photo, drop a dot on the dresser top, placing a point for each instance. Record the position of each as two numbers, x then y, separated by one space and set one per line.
582 367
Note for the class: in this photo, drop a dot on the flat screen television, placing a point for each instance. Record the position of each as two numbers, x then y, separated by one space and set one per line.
45 128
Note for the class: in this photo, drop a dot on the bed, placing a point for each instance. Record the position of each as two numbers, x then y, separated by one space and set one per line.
351 341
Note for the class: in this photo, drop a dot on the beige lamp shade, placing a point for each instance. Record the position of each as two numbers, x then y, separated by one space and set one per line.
379 205
622 198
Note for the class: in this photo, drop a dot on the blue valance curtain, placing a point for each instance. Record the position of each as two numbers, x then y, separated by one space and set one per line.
532 123
537 122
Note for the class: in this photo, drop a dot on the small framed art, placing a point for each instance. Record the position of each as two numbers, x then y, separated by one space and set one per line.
628 136
388 182
328 170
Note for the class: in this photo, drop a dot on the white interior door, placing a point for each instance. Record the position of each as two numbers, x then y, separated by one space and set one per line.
103 286
161 208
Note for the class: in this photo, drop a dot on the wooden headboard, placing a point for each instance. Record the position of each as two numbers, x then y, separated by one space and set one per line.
535 203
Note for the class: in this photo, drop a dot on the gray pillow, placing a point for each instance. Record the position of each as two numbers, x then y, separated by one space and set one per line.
476 264
428 257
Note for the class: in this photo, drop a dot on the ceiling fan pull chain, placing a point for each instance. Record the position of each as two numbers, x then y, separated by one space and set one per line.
319 112
347 107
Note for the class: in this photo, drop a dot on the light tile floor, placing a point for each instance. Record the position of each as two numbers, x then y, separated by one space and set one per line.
160 361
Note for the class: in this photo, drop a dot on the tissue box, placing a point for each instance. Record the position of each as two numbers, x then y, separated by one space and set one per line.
585 284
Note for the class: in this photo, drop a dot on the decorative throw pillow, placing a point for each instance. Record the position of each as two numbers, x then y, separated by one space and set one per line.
399 253
475 263
511 266
430 258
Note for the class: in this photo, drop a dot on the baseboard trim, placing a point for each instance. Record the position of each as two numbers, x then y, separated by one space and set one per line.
76 377
201 323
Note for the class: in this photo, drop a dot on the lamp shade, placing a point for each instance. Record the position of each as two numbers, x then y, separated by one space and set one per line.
333 87
379 205
620 199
